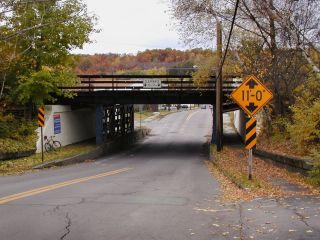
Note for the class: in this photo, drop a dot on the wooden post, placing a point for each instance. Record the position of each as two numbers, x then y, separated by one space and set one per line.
219 117
214 132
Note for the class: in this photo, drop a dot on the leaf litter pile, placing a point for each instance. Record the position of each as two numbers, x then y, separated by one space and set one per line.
230 168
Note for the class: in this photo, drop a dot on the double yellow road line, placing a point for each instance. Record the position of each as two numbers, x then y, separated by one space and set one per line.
36 191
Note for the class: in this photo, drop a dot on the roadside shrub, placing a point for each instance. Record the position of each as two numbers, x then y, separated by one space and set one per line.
13 128
305 128
26 128
16 134
280 128
7 125
315 173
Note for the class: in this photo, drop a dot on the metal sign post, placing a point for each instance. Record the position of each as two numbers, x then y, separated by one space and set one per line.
251 96
41 121
250 165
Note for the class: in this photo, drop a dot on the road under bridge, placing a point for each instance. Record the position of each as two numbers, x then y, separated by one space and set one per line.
113 97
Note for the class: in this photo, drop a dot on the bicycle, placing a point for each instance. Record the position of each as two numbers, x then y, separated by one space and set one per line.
51 144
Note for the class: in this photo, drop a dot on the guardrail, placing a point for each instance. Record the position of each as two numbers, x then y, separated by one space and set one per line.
135 83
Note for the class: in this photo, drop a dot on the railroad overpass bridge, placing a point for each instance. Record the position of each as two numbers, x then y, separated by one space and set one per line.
113 97
129 89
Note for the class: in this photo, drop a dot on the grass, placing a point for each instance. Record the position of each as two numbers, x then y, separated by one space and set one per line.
21 165
147 114
164 113
144 115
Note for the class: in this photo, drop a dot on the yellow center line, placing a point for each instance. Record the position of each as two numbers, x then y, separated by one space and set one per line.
36 191
190 115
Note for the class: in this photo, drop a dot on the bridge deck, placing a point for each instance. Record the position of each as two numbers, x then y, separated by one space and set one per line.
128 89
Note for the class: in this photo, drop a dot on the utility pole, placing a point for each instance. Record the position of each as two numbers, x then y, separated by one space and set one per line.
219 120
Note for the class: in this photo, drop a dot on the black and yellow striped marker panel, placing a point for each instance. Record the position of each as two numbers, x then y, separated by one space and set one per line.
41 119
251 133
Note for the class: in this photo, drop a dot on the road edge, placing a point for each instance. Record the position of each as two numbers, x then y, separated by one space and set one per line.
117 144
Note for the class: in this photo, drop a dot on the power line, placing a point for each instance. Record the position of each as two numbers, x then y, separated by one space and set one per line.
229 39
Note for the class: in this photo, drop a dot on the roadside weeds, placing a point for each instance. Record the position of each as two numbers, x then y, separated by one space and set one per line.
22 165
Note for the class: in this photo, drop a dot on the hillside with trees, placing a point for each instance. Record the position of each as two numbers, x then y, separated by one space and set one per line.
148 61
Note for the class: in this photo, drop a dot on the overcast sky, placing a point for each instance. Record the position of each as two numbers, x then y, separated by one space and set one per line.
129 26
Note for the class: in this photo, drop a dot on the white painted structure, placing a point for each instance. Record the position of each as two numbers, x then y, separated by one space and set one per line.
239 122
76 125
151 83
237 117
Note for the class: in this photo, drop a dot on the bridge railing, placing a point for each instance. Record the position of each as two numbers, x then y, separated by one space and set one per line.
136 83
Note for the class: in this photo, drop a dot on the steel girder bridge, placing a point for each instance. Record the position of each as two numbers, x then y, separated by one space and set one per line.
113 97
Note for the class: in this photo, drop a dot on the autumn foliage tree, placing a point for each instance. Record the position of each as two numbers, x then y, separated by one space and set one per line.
170 59
37 37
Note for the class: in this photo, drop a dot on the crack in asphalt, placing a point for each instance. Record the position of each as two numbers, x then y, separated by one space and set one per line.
68 226
58 209
303 219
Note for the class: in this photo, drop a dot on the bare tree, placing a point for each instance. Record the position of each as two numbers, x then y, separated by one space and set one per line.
280 23
287 29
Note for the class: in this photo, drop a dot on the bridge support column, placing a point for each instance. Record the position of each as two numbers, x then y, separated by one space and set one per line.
123 114
118 120
99 124
109 122
129 118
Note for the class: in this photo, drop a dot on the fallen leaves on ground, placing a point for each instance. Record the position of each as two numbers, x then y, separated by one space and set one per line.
230 169
281 147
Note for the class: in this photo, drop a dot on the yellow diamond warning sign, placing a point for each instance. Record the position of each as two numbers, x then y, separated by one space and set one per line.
251 95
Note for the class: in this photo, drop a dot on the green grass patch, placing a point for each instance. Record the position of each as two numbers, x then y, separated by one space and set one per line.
9 145
143 115
21 165
147 114
164 113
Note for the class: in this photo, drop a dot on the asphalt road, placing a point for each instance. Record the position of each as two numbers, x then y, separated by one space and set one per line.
160 189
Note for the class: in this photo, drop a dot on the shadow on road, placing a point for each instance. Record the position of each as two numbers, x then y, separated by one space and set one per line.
177 150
